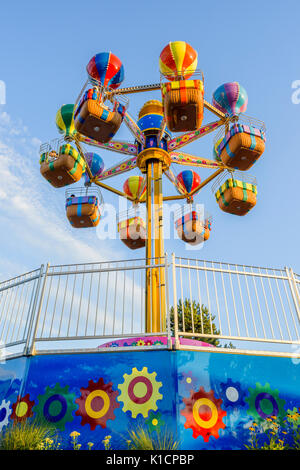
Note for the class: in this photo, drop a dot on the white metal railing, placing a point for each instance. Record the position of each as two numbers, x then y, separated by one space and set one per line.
243 303
67 305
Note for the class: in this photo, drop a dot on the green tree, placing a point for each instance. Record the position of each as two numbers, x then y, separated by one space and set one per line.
195 318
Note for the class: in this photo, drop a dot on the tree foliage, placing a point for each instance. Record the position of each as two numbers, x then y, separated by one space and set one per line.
195 318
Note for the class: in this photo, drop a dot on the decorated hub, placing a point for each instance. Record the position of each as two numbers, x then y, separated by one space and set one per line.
163 127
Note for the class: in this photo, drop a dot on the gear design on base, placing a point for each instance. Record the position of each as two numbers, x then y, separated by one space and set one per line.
97 403
203 414
5 412
154 422
140 392
232 393
187 380
56 405
264 402
22 409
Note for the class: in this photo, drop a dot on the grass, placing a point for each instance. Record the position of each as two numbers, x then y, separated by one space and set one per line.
142 439
28 436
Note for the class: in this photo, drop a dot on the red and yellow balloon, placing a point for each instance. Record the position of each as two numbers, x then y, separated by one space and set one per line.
135 187
178 60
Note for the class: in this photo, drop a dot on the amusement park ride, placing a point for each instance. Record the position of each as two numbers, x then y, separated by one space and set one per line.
95 118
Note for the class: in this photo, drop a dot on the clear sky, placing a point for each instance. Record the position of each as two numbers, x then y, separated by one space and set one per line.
45 47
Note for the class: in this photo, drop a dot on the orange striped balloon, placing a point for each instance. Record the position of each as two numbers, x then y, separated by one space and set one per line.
178 59
135 187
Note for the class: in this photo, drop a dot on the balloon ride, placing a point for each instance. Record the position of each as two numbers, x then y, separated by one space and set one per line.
162 128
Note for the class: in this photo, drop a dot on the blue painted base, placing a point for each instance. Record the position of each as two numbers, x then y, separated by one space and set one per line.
207 399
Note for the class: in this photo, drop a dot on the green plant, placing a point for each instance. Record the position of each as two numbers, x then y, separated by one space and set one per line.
74 436
142 439
276 435
28 435
195 318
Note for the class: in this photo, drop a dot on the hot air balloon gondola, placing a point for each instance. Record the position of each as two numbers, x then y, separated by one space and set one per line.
62 167
233 194
192 225
243 144
83 207
96 116
131 225
182 97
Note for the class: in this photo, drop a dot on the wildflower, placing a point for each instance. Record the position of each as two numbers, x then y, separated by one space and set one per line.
90 445
74 434
254 423
251 428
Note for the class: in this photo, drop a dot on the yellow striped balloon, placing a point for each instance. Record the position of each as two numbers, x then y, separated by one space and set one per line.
64 120
135 187
178 60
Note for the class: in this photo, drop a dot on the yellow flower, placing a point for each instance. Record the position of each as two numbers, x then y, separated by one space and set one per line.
74 434
90 444
254 424
251 428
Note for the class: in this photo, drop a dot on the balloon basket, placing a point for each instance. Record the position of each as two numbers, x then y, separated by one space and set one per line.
242 145
234 195
183 104
96 116
132 228
83 207
61 166
192 226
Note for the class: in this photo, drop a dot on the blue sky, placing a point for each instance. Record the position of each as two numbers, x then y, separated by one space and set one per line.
44 51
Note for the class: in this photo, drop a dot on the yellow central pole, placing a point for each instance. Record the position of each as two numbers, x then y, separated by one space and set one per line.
155 276
149 248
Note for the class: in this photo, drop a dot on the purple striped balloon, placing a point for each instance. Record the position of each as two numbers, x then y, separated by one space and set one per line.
230 98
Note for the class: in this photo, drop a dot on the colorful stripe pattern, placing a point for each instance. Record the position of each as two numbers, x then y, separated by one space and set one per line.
65 121
95 95
189 137
230 98
186 218
193 215
132 221
232 183
188 180
235 129
79 202
66 149
182 86
135 187
119 168
178 58
187 159
107 69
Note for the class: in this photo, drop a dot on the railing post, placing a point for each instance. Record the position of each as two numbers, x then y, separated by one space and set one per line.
29 347
168 323
294 290
176 338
